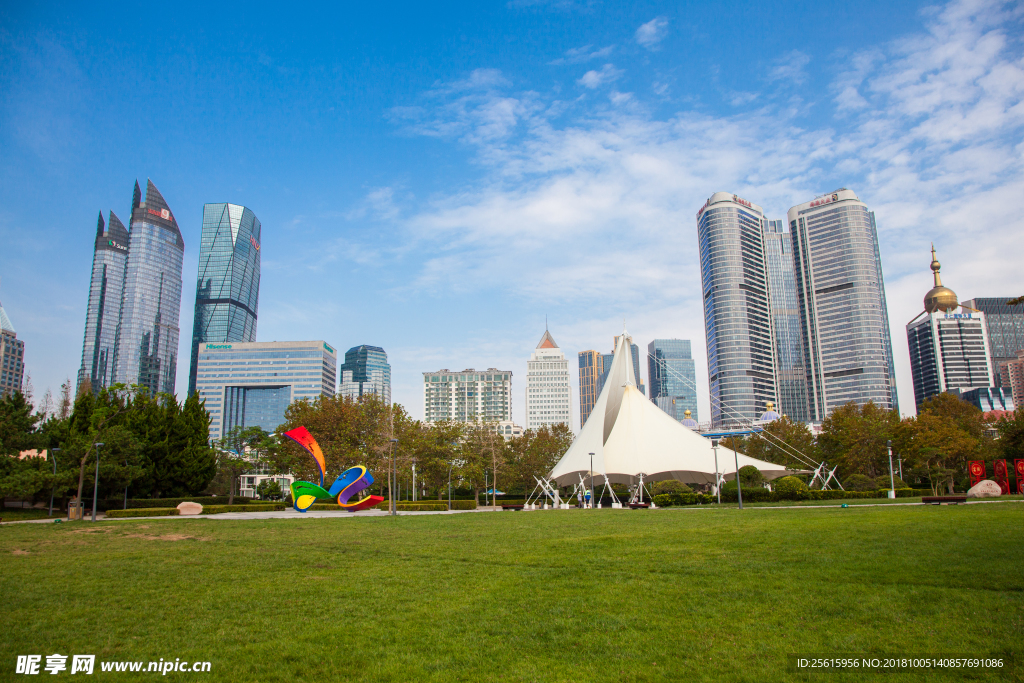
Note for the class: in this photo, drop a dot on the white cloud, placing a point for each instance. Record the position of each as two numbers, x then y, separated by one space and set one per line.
593 79
652 33
790 67
578 55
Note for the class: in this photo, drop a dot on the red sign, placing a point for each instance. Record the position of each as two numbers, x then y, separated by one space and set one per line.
703 207
1001 476
253 242
744 202
163 213
976 468
834 197
1019 466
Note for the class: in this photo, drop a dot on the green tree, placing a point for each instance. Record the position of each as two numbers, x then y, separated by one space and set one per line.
236 456
17 425
1011 434
269 489
796 437
853 437
535 454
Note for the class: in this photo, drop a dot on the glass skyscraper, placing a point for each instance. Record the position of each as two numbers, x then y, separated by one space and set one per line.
591 370
1005 327
253 383
147 334
841 298
228 287
737 320
12 356
790 370
110 252
673 377
365 371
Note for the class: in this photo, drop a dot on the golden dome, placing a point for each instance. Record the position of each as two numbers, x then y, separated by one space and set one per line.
939 298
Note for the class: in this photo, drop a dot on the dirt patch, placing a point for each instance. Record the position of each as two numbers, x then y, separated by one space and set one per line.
164 537
19 552
94 530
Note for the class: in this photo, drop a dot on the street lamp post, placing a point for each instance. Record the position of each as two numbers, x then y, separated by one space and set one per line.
739 489
126 486
394 472
451 465
592 480
54 485
414 481
718 483
96 481
892 482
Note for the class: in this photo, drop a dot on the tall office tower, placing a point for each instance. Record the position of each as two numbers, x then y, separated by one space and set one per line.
467 396
228 287
147 333
252 383
591 371
1013 379
737 321
790 370
547 385
110 252
12 355
841 296
673 377
365 371
948 351
1005 327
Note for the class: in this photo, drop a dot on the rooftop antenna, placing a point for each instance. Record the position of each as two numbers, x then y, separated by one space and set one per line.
545 322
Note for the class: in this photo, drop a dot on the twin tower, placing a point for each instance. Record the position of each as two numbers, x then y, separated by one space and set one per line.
131 324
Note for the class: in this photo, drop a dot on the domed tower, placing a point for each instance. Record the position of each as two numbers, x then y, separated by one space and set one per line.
939 298
769 415
689 421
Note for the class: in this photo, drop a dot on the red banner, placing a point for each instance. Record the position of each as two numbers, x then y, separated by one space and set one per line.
1019 464
1001 476
976 468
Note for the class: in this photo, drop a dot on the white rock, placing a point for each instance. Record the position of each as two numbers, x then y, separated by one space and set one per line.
195 508
986 488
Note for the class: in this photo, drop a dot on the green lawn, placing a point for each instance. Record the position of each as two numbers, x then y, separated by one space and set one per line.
602 595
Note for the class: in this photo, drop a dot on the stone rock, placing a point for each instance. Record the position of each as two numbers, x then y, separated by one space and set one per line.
197 509
986 488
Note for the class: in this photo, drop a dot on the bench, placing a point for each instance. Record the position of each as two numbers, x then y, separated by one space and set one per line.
943 500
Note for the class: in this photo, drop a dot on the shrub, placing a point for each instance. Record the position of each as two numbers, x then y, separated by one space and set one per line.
142 512
791 488
669 486
859 482
254 507
884 483
750 476
665 500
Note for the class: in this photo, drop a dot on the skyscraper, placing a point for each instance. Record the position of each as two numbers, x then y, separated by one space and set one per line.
673 377
467 396
948 351
737 320
110 252
365 371
147 335
228 286
547 385
591 370
12 356
790 370
1005 327
841 298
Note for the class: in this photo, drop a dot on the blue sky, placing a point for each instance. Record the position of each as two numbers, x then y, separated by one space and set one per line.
438 179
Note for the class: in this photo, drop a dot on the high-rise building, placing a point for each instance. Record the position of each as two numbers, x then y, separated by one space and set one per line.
790 370
252 383
591 371
1005 327
988 399
948 350
12 355
841 297
147 333
467 396
737 319
110 252
228 286
1013 378
547 385
673 377
365 371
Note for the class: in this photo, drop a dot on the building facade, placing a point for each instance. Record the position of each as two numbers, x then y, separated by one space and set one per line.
249 384
591 370
737 319
841 297
110 253
547 385
987 399
147 332
467 396
673 377
1005 327
228 285
365 371
790 370
1013 378
12 357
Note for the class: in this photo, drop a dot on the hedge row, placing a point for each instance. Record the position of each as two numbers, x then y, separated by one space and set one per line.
762 495
250 507
429 505
149 503
142 512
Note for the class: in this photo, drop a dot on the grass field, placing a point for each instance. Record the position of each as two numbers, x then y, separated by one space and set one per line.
609 595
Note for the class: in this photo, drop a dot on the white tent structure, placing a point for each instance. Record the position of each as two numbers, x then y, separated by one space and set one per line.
629 436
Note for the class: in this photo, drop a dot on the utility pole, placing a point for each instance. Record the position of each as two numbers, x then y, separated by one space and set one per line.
892 482
54 453
394 476
96 481
718 483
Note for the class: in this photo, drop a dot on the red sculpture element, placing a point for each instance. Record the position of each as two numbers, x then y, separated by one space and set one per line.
1001 476
1020 475
976 468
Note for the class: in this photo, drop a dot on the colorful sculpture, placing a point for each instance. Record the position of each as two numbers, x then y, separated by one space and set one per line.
352 481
